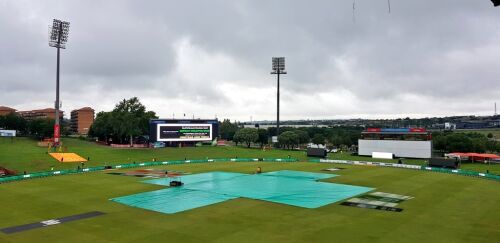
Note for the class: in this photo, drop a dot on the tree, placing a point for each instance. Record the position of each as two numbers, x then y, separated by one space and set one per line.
492 145
263 137
35 127
272 131
237 138
227 129
286 129
288 139
247 135
128 119
41 128
439 141
458 142
335 140
318 139
102 127
303 136
479 144
12 121
490 135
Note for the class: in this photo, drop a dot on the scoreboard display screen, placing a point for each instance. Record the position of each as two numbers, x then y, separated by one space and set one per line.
170 130
175 131
184 132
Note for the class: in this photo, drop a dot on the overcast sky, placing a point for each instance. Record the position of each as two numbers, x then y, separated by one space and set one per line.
213 58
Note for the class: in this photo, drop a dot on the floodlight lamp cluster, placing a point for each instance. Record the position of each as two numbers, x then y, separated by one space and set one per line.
58 36
278 65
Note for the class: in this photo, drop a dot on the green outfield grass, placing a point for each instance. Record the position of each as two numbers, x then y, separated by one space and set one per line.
23 154
446 208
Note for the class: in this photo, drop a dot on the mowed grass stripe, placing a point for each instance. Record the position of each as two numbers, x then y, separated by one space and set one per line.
23 154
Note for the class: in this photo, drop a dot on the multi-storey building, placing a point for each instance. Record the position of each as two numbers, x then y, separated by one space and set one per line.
81 120
41 114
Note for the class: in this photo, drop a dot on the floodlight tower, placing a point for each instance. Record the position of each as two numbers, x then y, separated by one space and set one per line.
278 68
58 38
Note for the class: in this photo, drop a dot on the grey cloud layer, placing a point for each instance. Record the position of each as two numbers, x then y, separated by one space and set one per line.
424 52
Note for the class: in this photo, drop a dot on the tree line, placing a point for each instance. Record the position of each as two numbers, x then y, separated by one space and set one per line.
38 128
290 137
464 142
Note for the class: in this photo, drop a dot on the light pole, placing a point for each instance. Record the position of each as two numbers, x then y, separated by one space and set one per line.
278 68
58 38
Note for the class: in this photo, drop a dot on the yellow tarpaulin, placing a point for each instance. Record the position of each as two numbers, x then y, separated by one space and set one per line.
67 157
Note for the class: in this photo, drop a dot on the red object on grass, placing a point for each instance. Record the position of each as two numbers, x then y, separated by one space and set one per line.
476 156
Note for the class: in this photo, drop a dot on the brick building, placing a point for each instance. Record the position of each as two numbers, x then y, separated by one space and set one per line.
4 110
41 114
81 120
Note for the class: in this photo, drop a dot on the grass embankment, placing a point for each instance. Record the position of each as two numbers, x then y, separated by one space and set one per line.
494 131
446 208
23 154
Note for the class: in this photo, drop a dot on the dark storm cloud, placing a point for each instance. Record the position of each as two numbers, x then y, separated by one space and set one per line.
214 56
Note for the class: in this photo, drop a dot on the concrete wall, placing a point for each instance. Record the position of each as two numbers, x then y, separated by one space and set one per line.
406 149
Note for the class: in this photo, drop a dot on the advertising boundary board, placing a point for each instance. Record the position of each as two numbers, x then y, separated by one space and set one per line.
138 164
412 167
7 133
142 164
